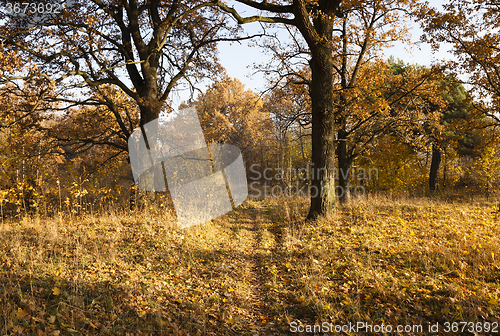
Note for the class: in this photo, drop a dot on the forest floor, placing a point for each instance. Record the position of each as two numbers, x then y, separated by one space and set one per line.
258 270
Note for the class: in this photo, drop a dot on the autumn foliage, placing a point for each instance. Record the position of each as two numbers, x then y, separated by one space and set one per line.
403 159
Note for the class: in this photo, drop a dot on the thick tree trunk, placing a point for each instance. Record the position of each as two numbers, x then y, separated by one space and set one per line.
435 162
322 191
150 110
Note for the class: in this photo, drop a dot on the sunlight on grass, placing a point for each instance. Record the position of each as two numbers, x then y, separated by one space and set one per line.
252 271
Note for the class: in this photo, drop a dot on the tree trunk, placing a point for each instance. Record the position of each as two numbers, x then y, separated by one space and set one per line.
322 191
150 107
133 196
445 168
344 165
435 162
301 145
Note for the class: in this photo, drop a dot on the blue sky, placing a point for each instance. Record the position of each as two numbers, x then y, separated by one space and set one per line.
239 58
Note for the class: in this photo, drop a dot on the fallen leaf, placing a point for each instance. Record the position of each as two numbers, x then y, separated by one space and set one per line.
21 313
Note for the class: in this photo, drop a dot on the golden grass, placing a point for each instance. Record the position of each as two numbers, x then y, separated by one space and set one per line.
252 271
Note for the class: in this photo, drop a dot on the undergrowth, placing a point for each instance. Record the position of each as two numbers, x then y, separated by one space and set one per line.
253 271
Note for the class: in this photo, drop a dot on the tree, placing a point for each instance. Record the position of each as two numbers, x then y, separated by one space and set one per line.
105 52
22 146
122 58
356 36
290 109
452 120
445 119
230 114
364 30
315 21
472 28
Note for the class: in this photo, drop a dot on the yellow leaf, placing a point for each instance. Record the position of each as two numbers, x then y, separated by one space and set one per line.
230 289
493 300
56 291
301 298
224 300
288 265
21 313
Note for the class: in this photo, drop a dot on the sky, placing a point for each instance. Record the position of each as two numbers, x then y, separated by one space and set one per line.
239 58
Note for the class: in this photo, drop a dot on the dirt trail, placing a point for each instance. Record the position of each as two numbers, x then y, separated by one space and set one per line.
256 244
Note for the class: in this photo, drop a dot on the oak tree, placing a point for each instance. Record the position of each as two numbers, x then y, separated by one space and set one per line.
104 52
315 21
359 34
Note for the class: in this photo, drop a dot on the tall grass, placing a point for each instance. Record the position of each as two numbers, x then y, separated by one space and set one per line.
391 260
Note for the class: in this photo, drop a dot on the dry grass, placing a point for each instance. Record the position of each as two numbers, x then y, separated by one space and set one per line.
251 272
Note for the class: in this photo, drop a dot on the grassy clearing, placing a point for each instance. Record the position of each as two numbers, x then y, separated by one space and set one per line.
252 271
